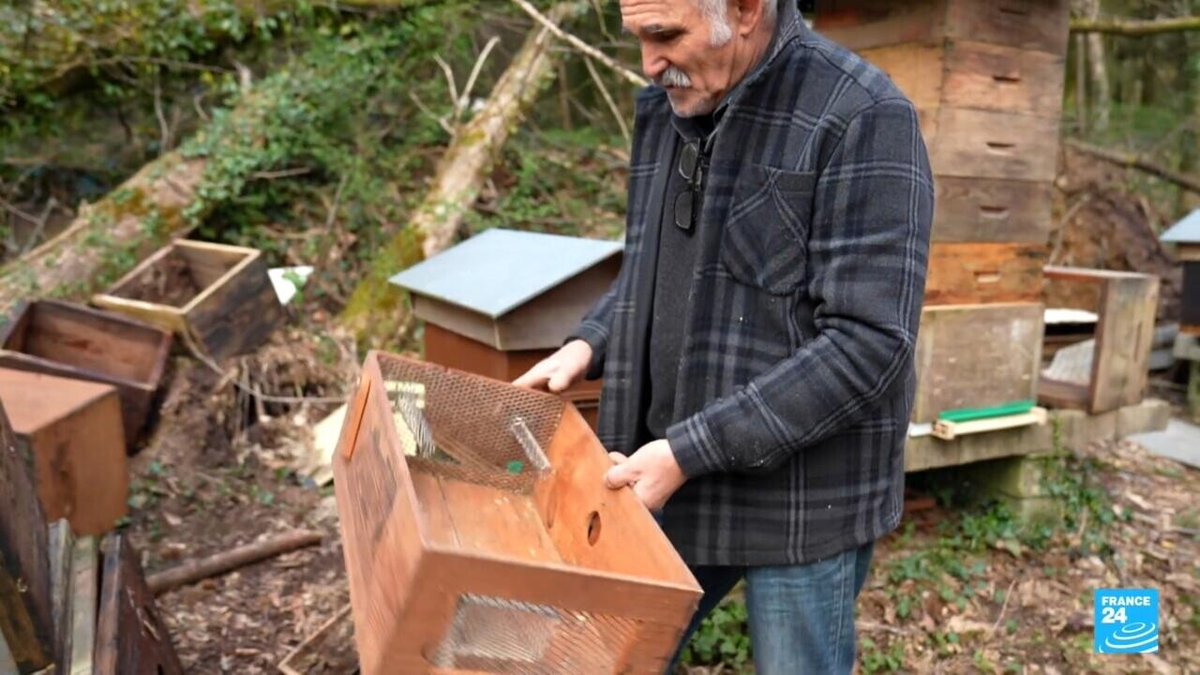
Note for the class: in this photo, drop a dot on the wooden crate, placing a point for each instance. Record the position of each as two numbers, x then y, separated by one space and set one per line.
75 341
977 356
447 348
1119 372
501 548
26 607
217 297
130 635
987 81
73 430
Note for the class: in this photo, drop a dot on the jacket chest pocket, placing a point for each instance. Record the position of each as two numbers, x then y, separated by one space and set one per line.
765 239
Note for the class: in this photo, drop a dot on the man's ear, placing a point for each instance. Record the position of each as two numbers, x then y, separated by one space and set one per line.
746 16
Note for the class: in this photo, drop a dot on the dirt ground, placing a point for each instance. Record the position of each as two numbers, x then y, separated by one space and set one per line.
210 481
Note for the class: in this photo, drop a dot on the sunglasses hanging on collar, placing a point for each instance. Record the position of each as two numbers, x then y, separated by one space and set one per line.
692 166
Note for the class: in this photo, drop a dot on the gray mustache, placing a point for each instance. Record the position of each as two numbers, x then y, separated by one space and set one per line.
674 77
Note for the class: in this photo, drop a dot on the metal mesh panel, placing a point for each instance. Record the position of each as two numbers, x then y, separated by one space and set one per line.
464 426
497 635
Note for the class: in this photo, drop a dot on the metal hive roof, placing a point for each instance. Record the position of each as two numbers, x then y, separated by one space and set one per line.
499 270
1186 231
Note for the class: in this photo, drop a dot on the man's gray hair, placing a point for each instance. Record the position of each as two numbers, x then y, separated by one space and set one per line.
716 13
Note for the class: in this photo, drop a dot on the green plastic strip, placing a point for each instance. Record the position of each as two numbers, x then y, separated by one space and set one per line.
969 414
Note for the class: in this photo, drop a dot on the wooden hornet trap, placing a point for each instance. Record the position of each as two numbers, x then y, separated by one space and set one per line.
479 535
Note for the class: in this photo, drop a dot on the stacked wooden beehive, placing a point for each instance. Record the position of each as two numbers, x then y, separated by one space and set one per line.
986 78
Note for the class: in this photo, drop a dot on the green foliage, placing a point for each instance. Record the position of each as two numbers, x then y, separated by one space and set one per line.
875 659
722 638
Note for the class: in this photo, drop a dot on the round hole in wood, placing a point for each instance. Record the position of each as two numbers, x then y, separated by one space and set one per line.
593 527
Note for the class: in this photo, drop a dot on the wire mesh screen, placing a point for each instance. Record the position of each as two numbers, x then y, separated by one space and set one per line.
502 636
465 426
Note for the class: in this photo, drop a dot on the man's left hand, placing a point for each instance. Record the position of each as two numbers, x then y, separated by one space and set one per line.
652 471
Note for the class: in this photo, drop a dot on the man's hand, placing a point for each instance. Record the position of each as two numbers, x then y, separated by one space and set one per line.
559 370
652 471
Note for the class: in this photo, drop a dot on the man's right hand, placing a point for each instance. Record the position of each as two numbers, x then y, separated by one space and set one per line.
559 370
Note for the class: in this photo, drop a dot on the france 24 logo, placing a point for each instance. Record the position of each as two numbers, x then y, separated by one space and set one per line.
1126 621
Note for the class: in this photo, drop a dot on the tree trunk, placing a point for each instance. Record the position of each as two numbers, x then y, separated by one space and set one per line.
373 311
1135 27
1101 97
163 199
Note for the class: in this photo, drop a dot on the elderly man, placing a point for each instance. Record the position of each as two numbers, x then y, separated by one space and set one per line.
757 346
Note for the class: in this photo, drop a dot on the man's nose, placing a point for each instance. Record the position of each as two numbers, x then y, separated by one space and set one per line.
653 62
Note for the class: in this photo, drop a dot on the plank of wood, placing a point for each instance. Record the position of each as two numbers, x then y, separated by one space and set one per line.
972 273
85 588
866 24
984 76
1061 394
74 432
26 606
207 262
486 520
948 431
1037 25
989 144
130 634
917 69
975 356
1190 299
61 553
986 210
1124 336
238 313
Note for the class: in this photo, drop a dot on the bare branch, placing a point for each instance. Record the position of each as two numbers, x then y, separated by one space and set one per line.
1136 27
1130 161
612 105
632 77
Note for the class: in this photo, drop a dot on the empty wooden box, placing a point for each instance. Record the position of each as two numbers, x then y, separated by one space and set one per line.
1114 370
79 342
503 300
217 297
479 535
27 636
73 430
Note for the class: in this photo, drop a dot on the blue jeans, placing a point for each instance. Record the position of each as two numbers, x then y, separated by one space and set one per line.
801 616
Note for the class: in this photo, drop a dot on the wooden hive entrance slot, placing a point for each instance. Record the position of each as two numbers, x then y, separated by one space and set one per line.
479 535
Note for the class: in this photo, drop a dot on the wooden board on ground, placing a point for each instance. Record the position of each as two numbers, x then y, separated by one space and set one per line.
130 635
961 274
71 340
216 297
977 356
26 604
80 642
73 431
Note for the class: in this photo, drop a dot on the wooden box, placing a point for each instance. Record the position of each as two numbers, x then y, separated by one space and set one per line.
448 348
130 635
217 298
26 611
73 430
1118 372
987 81
977 356
79 342
479 536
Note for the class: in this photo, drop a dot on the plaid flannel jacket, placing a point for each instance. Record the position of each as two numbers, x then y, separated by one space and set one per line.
796 377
